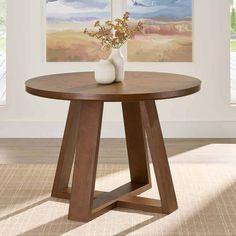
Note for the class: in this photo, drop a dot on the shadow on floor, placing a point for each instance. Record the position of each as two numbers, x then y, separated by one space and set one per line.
216 217
140 225
53 228
47 229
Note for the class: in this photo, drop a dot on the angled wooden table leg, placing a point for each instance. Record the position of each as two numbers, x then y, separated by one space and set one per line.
136 143
159 157
85 166
67 152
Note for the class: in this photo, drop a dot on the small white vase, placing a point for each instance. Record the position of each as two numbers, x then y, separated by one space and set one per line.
105 72
117 60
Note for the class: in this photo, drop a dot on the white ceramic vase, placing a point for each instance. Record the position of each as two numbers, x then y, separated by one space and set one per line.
105 72
117 60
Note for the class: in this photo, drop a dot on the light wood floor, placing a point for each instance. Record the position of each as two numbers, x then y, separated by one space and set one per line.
114 150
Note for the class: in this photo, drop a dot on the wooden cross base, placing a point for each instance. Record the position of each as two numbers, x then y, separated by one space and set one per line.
80 145
124 196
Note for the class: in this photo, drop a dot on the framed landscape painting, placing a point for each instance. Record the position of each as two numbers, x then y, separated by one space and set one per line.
167 33
66 21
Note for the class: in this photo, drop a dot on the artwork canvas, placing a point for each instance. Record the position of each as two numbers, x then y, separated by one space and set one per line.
167 33
66 21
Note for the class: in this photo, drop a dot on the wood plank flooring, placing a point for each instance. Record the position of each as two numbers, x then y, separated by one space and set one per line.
114 150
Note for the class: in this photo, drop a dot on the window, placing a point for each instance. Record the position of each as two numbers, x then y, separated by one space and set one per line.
2 52
233 51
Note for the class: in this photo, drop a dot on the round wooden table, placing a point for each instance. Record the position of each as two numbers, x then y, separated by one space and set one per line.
82 135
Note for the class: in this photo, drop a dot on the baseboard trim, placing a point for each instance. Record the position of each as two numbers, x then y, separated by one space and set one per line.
116 129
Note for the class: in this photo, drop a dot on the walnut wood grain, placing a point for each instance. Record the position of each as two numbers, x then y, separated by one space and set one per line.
138 86
67 152
136 143
140 203
159 157
86 157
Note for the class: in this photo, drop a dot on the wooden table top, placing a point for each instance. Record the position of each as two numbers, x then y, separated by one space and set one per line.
138 86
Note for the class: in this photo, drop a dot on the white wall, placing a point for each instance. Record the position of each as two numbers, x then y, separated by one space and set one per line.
206 114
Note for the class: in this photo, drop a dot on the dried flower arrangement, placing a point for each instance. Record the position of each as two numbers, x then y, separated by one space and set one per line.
114 35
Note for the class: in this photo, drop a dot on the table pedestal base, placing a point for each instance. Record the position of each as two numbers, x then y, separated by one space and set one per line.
80 146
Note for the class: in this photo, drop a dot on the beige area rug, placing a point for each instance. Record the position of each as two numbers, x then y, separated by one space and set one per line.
206 196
